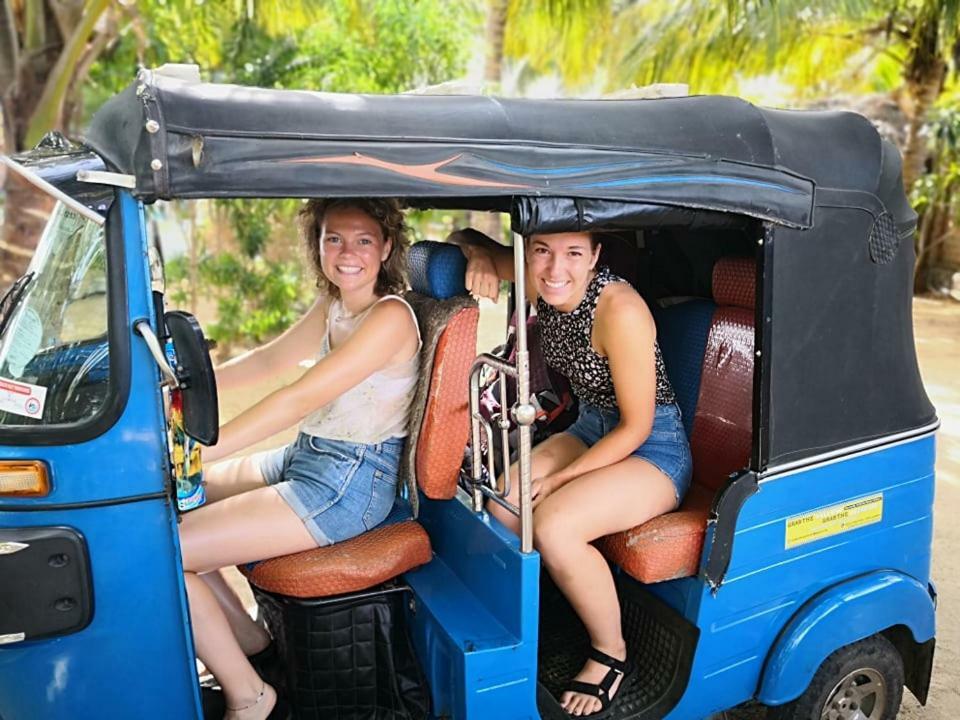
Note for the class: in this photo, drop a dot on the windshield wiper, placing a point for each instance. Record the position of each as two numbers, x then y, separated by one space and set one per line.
11 299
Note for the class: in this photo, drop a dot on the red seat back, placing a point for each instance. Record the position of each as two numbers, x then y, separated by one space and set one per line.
440 414
723 423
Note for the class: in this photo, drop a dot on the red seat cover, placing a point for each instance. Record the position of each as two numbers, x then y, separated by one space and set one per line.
349 566
670 546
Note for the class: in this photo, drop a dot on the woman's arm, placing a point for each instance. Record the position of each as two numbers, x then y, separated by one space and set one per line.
626 334
299 342
389 325
488 262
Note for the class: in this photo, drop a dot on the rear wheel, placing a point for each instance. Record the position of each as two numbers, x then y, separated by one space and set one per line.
862 681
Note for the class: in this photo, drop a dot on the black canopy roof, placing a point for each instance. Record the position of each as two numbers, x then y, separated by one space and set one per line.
837 364
190 139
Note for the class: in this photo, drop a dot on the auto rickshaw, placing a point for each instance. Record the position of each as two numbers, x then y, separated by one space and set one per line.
776 251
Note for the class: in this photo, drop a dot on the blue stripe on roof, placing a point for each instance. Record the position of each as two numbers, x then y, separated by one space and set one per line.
703 179
521 170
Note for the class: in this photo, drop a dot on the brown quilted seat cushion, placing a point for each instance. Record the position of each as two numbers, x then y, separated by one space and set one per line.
666 547
349 566
670 546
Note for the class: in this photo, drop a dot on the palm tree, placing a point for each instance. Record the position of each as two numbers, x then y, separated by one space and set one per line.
822 46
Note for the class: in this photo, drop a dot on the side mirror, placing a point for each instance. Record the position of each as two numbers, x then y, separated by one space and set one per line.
201 417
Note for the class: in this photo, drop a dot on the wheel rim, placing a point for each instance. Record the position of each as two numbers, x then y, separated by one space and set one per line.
861 695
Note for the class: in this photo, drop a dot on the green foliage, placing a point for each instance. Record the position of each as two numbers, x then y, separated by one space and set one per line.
343 46
256 298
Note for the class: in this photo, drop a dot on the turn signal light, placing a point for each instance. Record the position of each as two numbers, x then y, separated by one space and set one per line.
24 478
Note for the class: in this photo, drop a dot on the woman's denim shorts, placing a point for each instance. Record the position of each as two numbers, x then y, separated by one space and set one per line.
666 448
339 489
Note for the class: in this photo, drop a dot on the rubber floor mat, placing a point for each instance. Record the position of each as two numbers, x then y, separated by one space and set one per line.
659 640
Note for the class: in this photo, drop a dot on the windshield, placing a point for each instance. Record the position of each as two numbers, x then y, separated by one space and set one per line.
54 360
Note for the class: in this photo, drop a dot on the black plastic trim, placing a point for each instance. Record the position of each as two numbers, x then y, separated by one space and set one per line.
763 334
38 582
33 507
387 588
726 510
119 340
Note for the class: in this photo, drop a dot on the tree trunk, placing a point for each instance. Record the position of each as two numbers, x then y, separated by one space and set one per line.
493 37
48 112
27 210
922 95
487 222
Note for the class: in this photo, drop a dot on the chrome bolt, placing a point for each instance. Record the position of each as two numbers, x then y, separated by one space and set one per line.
152 126
156 164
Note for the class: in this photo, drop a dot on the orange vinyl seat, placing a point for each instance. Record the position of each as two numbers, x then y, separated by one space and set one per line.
670 546
439 429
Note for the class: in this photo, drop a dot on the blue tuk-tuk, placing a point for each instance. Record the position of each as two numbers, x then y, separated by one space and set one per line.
776 251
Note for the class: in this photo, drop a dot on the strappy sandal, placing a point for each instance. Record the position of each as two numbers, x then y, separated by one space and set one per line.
601 690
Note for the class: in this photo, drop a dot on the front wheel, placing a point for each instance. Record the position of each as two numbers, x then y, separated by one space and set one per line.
862 681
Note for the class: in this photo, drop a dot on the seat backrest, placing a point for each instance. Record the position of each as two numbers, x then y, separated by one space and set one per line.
723 421
439 424
682 330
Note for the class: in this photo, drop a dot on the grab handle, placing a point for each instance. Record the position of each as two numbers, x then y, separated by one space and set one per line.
153 344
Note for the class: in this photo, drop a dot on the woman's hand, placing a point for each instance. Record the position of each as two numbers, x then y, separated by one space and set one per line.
488 262
481 277
541 488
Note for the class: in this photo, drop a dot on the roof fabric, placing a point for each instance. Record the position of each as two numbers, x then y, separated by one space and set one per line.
187 139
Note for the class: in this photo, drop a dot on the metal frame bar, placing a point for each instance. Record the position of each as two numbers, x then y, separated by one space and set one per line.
523 412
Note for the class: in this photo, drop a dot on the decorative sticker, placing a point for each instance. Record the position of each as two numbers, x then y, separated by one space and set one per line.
833 520
24 341
22 398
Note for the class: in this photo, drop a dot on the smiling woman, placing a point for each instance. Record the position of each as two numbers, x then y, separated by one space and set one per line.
623 462
338 479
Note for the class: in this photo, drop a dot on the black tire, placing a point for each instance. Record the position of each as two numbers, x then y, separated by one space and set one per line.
866 676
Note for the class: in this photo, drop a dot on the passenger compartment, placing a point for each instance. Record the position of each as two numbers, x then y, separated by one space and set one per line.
717 339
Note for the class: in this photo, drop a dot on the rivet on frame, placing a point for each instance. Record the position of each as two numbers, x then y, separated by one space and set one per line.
156 164
152 126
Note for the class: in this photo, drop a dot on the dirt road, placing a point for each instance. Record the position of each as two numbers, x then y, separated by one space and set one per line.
937 329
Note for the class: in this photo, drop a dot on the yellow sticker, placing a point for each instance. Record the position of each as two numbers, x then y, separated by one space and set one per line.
833 520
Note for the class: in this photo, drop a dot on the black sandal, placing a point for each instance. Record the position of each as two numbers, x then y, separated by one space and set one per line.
601 690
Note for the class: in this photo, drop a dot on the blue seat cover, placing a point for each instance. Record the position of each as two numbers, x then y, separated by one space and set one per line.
437 269
682 331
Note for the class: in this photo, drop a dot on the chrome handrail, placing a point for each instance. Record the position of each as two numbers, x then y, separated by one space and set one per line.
523 412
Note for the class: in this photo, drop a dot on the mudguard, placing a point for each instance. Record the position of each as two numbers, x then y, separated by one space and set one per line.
843 614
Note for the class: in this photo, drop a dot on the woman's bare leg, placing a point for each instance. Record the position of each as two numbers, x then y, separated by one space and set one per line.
553 454
604 501
252 637
243 528
222 480
232 477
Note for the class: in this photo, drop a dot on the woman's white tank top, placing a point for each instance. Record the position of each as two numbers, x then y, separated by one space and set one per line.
379 407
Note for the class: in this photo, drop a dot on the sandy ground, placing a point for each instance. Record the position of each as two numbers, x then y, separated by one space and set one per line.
937 328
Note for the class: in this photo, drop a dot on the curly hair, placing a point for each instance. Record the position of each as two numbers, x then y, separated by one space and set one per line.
392 277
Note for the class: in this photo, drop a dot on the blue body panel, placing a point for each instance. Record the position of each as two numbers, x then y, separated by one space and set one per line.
767 585
476 615
844 614
136 653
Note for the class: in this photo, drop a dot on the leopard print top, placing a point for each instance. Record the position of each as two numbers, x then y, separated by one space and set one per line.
568 349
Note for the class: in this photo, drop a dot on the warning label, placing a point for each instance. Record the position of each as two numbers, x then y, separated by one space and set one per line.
22 398
833 520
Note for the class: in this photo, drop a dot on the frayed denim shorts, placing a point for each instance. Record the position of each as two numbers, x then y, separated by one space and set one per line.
666 448
339 489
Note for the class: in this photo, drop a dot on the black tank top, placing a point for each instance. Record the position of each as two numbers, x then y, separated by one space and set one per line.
568 349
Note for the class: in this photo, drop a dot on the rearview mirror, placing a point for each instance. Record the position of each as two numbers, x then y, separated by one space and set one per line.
201 417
